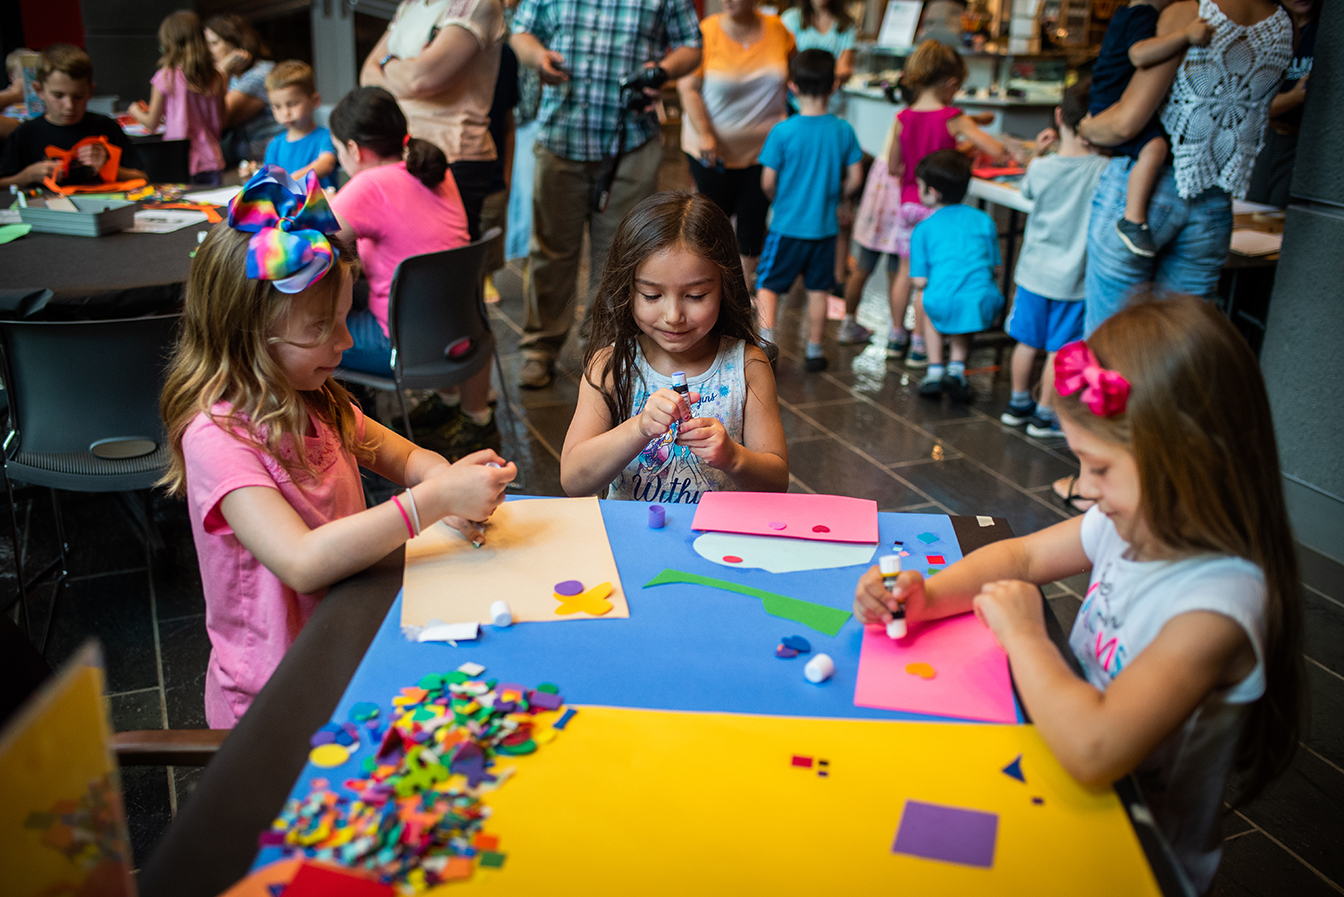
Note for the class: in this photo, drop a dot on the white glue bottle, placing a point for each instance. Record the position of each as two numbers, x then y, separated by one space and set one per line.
890 565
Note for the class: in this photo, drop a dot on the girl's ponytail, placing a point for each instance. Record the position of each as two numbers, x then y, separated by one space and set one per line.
371 118
426 161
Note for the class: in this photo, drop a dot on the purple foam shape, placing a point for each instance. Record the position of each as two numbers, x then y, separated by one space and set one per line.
950 834
544 700
470 762
785 652
568 587
775 524
270 839
657 516
322 736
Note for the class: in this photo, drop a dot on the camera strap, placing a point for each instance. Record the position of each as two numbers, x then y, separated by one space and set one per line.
607 176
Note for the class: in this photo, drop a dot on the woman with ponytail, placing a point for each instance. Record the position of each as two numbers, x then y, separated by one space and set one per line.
401 201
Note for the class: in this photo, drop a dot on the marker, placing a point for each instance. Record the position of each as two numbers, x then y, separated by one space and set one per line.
479 539
890 565
679 386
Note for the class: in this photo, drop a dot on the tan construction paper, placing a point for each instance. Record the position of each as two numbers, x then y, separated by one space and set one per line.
530 546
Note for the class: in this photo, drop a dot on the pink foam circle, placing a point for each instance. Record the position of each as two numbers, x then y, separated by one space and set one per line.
732 559
568 587
775 524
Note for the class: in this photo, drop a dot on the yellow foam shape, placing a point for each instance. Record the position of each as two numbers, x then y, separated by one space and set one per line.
686 785
328 755
592 601
922 670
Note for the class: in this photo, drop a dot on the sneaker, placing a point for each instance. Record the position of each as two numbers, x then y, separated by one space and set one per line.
1017 415
896 347
432 413
1044 429
930 387
1136 237
957 389
462 436
536 373
815 365
917 359
852 333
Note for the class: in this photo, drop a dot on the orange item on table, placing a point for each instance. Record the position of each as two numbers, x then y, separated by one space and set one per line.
211 215
108 172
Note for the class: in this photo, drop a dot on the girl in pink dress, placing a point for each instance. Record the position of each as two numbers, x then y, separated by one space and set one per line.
266 446
187 96
890 207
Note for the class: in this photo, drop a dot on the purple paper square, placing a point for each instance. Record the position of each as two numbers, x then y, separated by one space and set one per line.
545 701
951 834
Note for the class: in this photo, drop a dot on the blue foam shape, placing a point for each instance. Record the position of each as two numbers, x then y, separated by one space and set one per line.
797 643
718 665
1014 770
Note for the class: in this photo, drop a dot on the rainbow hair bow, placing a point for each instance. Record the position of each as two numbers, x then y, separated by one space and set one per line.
1105 393
289 224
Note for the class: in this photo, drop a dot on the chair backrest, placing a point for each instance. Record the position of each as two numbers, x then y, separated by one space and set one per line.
436 316
166 161
88 387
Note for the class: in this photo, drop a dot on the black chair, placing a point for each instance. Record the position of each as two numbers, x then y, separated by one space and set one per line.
438 325
84 416
165 161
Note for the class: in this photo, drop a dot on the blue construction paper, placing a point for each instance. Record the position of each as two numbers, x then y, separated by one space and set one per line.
684 647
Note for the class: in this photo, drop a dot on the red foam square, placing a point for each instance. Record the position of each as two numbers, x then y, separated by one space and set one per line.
936 559
802 761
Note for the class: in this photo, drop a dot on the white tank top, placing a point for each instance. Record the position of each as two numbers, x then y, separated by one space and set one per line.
667 473
1219 102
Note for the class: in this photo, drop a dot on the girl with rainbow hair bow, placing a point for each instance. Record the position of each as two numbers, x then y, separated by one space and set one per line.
266 446
1189 634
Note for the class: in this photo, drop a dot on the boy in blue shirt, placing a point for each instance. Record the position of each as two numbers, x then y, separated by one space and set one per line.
303 145
953 254
802 164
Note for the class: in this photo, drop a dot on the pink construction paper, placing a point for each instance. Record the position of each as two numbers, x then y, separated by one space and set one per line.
972 680
822 518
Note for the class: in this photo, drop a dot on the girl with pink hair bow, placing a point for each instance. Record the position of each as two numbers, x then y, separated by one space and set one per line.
1189 635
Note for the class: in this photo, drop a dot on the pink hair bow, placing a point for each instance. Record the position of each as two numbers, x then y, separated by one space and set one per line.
1105 393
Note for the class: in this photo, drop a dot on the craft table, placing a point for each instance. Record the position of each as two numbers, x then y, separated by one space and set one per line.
682 648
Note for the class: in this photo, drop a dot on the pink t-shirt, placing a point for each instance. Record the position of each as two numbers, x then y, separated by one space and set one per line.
191 116
922 133
395 216
252 617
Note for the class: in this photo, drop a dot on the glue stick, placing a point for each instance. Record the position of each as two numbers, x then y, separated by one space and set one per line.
819 668
890 565
500 614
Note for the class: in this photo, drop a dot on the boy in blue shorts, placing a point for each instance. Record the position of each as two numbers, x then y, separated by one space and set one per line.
802 161
303 145
1048 306
953 254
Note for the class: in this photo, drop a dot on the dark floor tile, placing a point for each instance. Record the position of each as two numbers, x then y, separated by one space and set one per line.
797 429
827 466
177 576
136 710
1304 808
1325 733
1321 573
115 610
1323 630
893 387
1254 866
1078 583
185 646
798 387
965 488
563 391
877 434
551 423
1065 607
102 531
997 447
145 793
184 781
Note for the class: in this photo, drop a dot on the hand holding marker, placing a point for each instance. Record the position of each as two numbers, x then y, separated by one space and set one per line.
478 536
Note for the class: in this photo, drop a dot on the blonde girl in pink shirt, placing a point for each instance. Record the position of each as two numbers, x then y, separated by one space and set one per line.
266 447
187 96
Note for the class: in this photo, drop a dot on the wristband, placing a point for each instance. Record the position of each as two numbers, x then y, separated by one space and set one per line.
415 513
410 529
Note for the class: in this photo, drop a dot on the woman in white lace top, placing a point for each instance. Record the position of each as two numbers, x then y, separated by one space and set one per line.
1217 102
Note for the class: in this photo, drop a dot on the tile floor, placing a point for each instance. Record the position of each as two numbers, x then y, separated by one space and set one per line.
857 429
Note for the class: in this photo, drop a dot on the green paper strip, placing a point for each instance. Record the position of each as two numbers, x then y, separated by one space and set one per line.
13 231
826 620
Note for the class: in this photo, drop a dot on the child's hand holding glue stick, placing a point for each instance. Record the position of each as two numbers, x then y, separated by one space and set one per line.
883 599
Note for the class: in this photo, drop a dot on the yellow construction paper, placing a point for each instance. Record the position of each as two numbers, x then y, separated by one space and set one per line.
660 802
530 545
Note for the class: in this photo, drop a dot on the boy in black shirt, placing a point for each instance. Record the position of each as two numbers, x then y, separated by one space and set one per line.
65 83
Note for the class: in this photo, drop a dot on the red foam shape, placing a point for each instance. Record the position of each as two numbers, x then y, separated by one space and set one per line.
732 559
314 880
936 559
802 761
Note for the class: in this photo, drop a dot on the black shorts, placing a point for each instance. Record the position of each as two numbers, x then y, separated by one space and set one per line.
738 192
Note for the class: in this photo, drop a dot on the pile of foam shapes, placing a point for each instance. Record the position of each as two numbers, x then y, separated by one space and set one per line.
416 819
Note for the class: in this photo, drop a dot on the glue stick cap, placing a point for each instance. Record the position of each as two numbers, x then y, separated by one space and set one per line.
889 564
678 379
897 627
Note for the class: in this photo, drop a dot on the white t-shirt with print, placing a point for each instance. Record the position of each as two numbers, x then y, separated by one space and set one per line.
1128 603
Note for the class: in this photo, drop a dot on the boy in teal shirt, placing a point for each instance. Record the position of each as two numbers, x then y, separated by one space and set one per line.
802 162
953 254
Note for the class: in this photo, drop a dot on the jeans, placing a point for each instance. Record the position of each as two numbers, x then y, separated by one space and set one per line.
372 351
1192 237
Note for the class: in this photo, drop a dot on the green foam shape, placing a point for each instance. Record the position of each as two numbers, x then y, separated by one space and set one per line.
491 860
826 620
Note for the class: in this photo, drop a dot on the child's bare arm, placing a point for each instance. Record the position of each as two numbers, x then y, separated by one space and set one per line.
895 164
1157 50
595 451
962 126
761 462
31 174
853 181
769 181
324 165
149 114
1099 736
